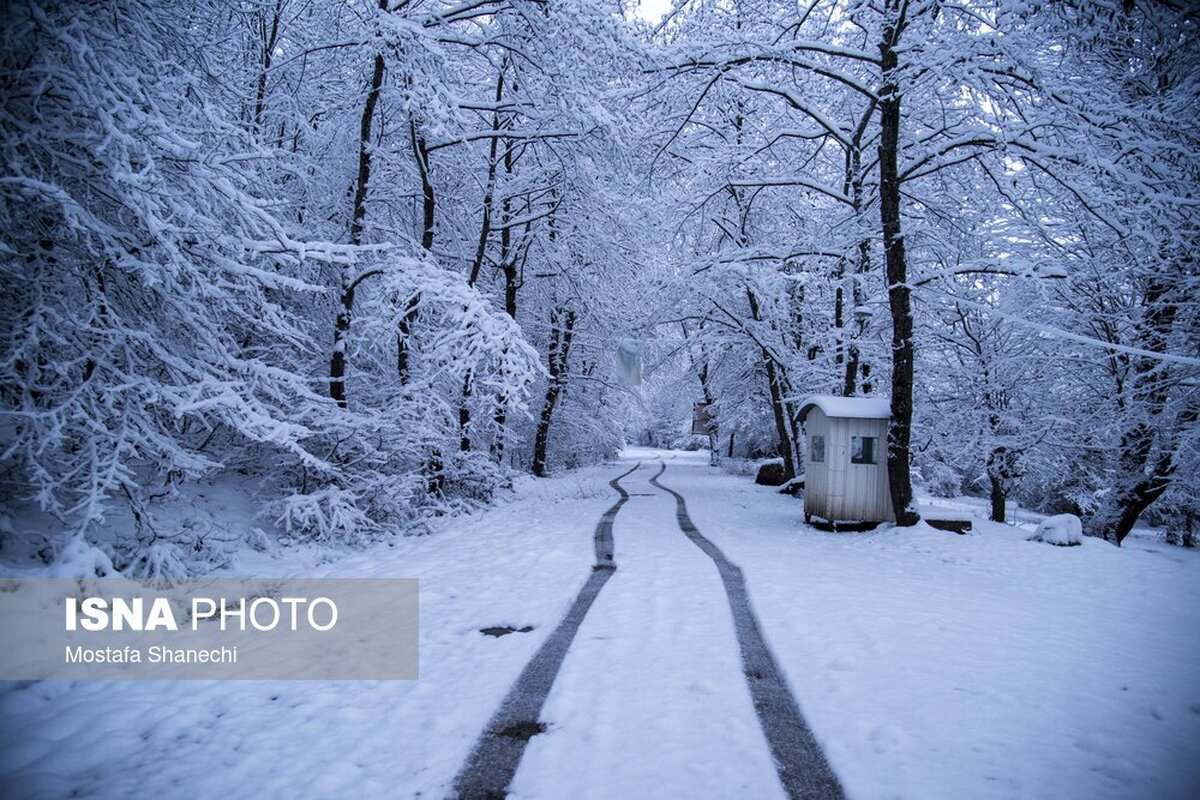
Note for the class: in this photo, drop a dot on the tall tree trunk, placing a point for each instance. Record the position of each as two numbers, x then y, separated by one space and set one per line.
464 413
852 186
1001 471
777 385
839 314
508 265
341 325
485 230
998 499
510 308
714 452
562 327
269 37
700 365
854 362
429 207
899 294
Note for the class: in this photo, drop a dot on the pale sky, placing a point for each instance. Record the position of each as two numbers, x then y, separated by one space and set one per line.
653 10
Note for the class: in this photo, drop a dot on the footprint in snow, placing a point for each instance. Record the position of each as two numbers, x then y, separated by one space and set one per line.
843 664
887 739
504 630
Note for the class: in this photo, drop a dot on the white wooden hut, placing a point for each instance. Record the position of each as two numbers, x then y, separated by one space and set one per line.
845 460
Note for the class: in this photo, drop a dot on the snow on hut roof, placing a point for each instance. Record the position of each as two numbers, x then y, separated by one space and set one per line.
848 407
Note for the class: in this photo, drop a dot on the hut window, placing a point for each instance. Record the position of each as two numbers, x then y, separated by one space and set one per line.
817 449
862 449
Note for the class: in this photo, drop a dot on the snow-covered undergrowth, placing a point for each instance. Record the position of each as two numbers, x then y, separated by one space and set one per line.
201 526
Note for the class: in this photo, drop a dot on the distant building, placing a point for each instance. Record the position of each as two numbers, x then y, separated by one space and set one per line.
845 460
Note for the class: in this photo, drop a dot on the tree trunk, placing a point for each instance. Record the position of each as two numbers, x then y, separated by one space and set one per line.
341 325
1143 476
714 434
429 207
702 373
1002 470
998 498
852 186
337 364
485 230
508 265
899 294
854 363
485 227
1116 518
839 316
777 384
501 415
562 324
269 37
464 414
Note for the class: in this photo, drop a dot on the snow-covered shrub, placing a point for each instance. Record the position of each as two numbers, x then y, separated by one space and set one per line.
1062 530
79 559
936 476
587 488
471 478
325 513
1181 531
1180 523
740 466
159 562
466 341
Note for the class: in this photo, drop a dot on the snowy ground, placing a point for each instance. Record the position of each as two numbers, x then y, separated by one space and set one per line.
936 665
928 664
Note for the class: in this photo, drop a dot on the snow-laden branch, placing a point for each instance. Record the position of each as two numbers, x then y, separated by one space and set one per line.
1058 333
793 180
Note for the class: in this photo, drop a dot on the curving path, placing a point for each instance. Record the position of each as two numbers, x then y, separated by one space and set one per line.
660 658
493 762
803 769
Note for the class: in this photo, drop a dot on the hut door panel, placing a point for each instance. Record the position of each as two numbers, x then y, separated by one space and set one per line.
816 478
866 485
838 457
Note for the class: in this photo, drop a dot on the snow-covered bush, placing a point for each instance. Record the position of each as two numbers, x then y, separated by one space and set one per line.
936 476
79 559
740 466
1062 530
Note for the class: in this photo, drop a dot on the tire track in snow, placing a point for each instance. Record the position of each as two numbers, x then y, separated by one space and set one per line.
493 762
802 767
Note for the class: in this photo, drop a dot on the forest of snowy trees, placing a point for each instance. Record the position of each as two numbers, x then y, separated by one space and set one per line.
373 257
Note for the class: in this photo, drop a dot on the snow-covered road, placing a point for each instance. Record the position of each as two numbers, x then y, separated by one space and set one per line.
929 665
652 699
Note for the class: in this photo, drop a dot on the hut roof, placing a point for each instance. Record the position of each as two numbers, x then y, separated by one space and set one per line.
848 407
